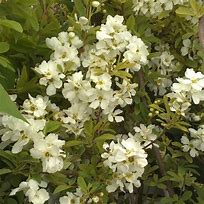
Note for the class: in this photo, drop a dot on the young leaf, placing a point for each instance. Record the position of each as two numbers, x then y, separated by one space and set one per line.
11 24
8 106
4 171
61 188
4 47
51 126
82 184
72 143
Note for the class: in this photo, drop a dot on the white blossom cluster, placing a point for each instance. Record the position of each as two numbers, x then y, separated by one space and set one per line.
72 197
89 78
145 134
63 59
195 143
127 157
35 191
88 92
78 197
164 64
115 42
155 7
188 89
47 148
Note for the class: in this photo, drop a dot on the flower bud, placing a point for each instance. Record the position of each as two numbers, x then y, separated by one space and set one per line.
95 4
71 34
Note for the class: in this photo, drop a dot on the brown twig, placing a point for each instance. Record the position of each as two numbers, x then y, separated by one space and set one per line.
170 191
201 31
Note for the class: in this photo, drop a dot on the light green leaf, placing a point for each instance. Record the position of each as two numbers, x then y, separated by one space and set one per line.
5 171
11 24
6 63
72 143
105 137
131 23
184 11
82 184
80 7
61 188
122 74
8 106
187 195
51 126
4 47
88 129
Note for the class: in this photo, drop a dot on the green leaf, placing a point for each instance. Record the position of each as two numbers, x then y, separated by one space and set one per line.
6 63
12 25
61 188
80 7
124 65
52 126
34 22
82 184
23 78
8 106
122 74
5 171
105 137
72 143
184 11
4 47
131 23
186 196
11 201
88 129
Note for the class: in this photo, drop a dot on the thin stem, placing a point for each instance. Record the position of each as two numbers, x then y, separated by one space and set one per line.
170 191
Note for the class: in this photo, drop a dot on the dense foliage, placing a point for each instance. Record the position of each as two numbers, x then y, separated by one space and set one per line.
101 101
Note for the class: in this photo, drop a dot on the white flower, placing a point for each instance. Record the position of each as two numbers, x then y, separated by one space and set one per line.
49 151
192 84
51 76
36 106
20 132
113 36
124 95
100 98
115 116
69 199
127 160
180 103
77 113
190 145
102 81
136 53
145 134
152 8
32 190
76 89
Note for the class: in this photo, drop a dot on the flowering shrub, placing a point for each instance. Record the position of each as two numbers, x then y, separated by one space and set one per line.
105 101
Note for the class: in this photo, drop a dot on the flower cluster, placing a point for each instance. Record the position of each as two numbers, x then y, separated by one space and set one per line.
145 135
189 88
71 197
45 147
35 191
64 59
195 143
164 64
100 80
116 51
127 159
95 81
155 7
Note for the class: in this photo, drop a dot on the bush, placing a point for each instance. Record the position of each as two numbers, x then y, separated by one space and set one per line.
101 101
